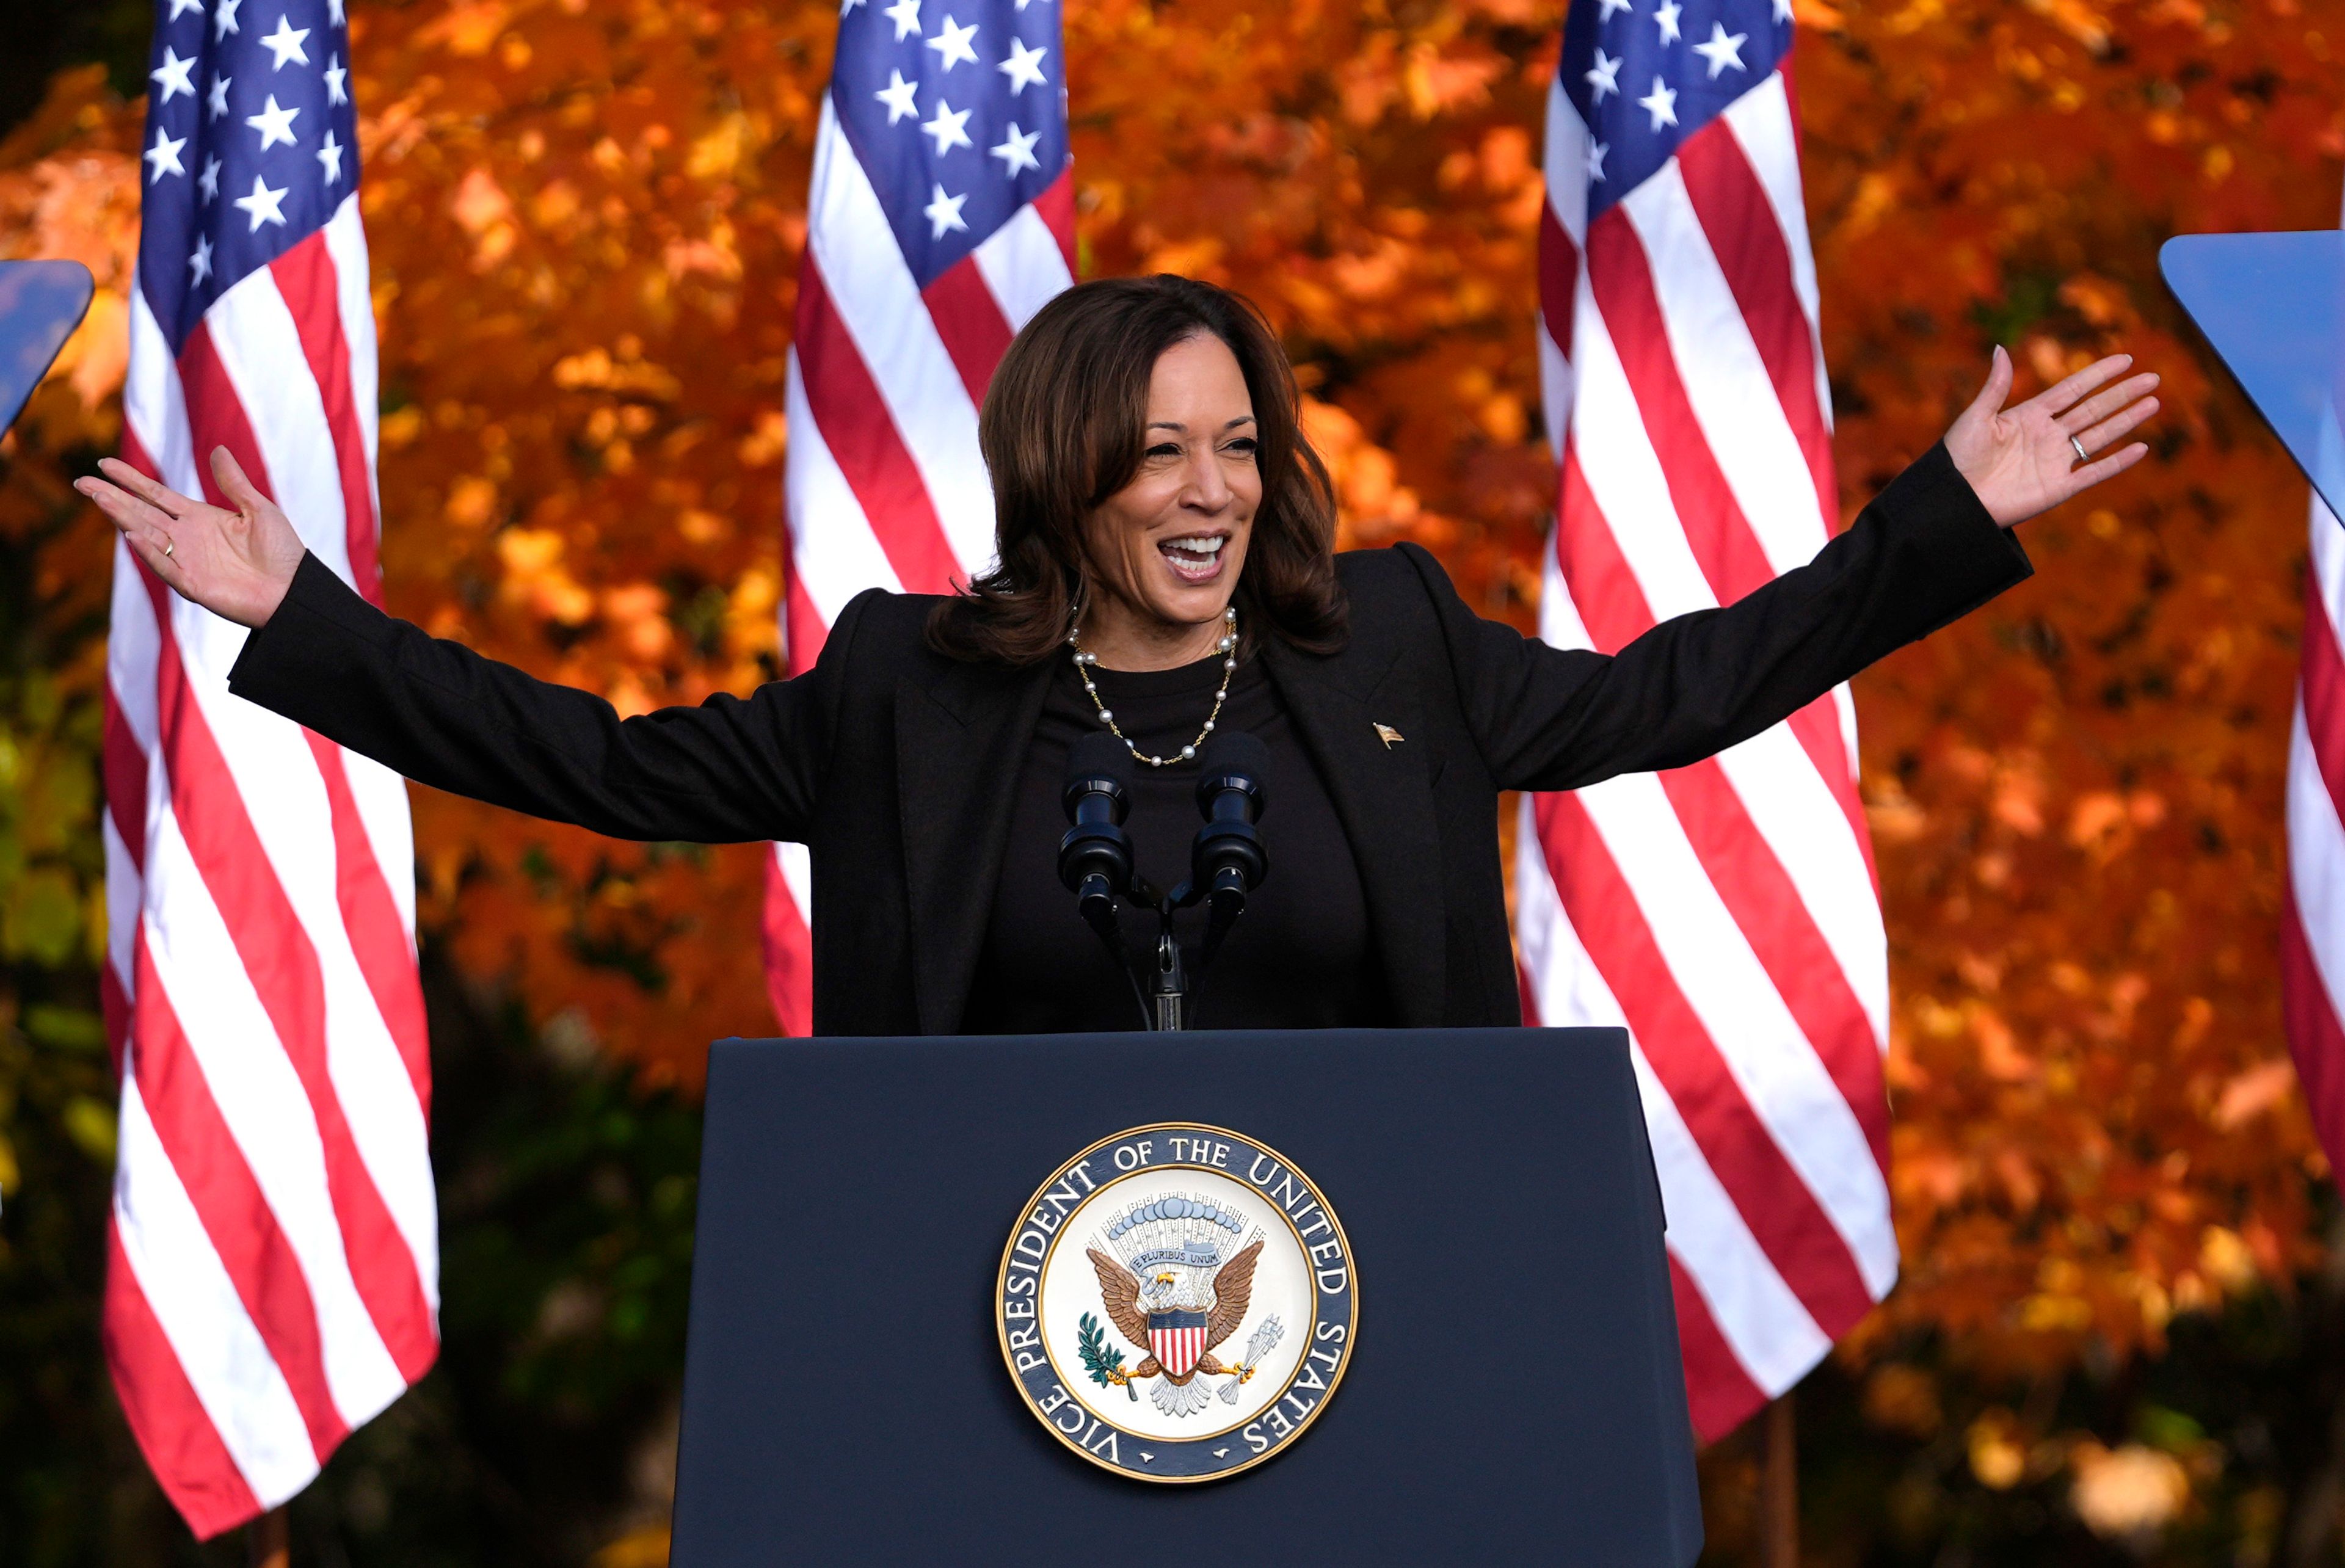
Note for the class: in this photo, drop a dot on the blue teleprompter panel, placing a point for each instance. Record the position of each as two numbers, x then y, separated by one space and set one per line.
2273 306
41 303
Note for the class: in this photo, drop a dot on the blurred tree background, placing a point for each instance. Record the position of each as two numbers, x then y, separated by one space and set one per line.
2121 1332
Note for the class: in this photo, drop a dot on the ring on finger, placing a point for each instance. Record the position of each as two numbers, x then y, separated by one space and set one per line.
2082 455
167 548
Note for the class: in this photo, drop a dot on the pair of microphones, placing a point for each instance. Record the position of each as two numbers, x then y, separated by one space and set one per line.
1227 859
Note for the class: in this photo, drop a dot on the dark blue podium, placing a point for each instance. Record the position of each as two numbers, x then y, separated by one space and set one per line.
1514 1396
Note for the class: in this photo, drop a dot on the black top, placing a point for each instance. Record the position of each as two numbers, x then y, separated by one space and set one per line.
1299 957
897 767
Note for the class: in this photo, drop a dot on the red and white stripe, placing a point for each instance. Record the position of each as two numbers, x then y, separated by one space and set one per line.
883 484
1725 913
1177 1349
2312 917
274 1255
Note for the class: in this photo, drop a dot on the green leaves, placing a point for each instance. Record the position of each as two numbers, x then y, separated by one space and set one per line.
40 917
90 1124
1101 1358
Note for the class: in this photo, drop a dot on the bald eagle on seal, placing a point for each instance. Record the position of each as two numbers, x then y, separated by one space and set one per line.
1173 1294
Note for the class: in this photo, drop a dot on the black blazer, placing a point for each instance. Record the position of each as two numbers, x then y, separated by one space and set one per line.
896 765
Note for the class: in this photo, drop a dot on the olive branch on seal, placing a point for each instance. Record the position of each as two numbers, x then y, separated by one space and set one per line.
1102 1359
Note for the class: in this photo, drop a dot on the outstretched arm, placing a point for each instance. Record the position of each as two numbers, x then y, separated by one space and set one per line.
1931 548
726 770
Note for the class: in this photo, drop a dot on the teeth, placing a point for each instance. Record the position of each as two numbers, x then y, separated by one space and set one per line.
1197 546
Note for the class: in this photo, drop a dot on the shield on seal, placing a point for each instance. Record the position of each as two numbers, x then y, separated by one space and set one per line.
1178 1339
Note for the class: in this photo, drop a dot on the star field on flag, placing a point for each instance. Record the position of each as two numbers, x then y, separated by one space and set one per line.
252 162
977 79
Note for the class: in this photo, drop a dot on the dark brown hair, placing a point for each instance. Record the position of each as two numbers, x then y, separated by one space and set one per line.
1064 428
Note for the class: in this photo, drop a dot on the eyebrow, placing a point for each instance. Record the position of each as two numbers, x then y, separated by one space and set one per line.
1177 425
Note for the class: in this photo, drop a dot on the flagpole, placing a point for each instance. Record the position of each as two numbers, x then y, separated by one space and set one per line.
1779 1486
268 1541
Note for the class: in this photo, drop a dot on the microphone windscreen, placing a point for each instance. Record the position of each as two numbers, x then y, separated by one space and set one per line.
1235 751
1099 755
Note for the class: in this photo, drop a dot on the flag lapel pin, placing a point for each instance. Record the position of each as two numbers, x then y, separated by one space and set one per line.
1387 734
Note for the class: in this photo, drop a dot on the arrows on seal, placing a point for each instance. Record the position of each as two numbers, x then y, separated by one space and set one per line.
1265 1335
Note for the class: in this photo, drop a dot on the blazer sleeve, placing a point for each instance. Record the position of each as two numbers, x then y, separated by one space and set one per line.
730 769
1924 554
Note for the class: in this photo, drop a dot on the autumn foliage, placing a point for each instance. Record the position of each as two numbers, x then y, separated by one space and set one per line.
587 219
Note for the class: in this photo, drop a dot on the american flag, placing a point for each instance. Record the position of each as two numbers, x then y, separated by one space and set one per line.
942 217
2312 917
1726 912
273 1278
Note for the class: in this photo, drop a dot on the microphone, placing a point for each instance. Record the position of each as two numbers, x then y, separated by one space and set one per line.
1095 856
1228 860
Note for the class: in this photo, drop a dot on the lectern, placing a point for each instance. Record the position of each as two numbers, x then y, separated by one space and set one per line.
1507 1389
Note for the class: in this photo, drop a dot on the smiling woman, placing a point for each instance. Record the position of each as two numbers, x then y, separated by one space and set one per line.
1166 569
1145 441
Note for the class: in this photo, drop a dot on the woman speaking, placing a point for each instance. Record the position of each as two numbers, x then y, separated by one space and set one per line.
1165 570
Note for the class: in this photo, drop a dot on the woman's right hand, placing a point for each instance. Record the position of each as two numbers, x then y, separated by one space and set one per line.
237 564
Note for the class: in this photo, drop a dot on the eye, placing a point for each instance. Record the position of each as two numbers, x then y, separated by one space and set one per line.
1245 446
1164 449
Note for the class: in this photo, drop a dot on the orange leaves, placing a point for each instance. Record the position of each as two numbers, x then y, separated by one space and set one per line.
636 614
2250 1094
763 446
1998 1453
536 578
1435 83
2087 24
1372 505
2100 302
2129 1492
95 358
472 501
468 29
2104 824
1904 1400
483 211
595 369
716 153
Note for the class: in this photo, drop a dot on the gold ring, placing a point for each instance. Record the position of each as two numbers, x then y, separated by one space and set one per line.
167 548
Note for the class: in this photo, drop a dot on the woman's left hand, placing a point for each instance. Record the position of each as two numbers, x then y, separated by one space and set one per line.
2026 459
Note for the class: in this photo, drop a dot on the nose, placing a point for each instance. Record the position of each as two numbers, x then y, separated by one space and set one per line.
1208 490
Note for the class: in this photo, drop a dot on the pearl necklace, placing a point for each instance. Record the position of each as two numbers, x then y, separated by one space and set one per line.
1226 647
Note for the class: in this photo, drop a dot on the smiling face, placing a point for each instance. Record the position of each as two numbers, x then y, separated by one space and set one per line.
1166 550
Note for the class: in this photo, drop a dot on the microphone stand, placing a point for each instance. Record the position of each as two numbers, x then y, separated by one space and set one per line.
1225 863
1172 981
1169 991
1110 936
1165 1000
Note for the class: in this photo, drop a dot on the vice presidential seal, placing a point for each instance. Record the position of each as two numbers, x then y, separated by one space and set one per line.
1177 1302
